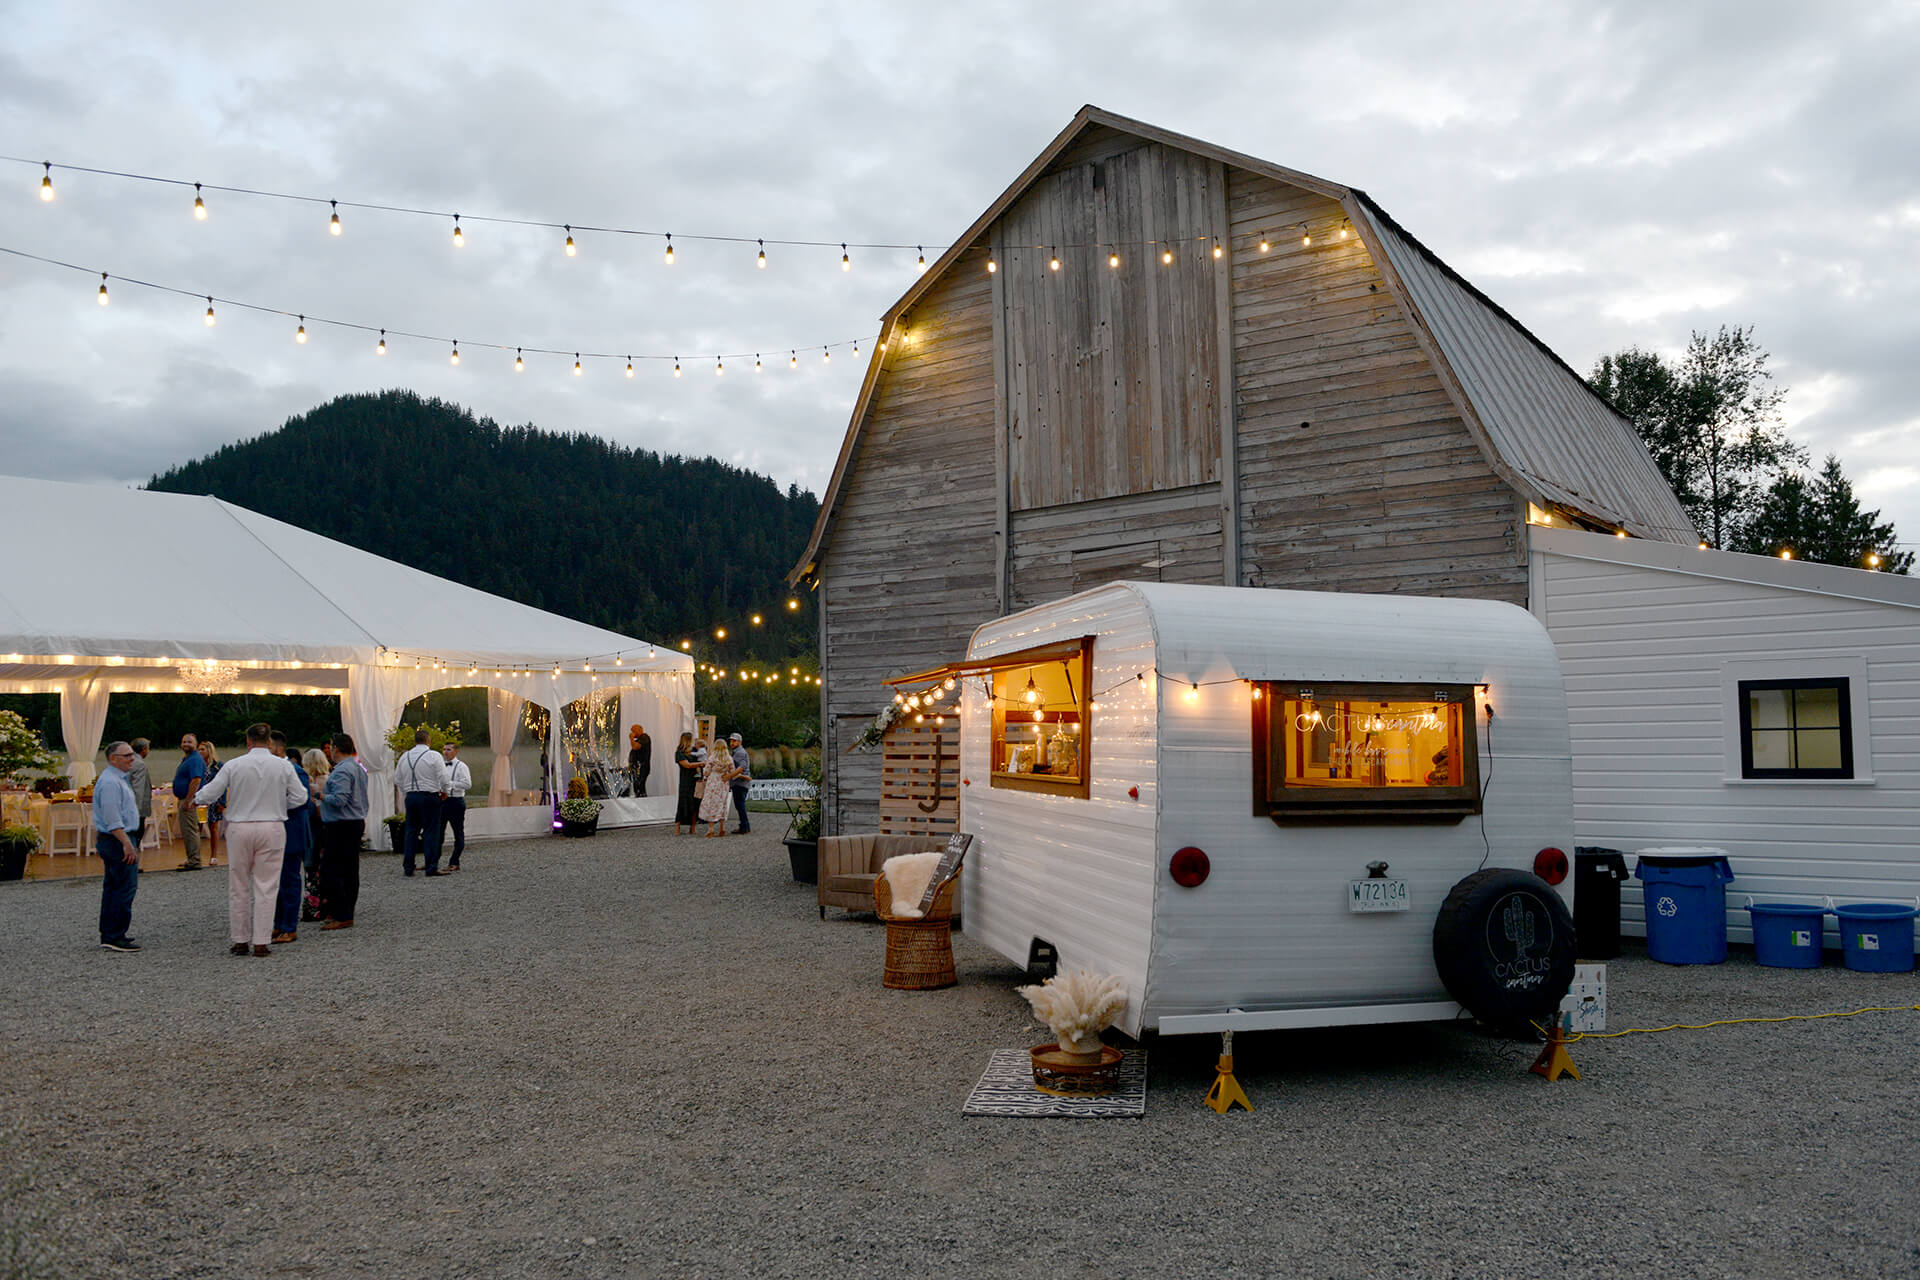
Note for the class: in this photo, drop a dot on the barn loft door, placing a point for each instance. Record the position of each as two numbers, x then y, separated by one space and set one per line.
1113 373
920 779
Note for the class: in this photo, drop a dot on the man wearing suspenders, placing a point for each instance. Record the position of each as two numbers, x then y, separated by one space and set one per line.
422 774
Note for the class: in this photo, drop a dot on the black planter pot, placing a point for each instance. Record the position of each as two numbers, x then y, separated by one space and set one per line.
804 855
576 830
13 862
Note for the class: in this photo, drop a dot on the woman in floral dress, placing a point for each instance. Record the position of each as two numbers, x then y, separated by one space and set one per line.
713 800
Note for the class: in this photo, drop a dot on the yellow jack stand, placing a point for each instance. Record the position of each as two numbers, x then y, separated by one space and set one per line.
1226 1090
1554 1061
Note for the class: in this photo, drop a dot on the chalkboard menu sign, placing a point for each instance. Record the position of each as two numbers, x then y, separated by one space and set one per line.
949 864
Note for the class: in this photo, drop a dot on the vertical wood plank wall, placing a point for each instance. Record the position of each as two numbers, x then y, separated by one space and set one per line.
1356 472
910 572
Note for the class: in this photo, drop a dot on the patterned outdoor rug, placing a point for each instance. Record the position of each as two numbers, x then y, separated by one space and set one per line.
1007 1090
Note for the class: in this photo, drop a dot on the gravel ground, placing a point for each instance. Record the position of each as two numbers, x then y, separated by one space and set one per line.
641 1054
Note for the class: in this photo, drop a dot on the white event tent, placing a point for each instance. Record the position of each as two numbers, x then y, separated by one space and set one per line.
147 583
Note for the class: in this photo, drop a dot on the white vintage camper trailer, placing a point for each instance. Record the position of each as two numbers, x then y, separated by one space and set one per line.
1272 808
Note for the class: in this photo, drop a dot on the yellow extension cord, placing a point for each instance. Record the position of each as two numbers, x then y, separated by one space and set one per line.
1570 1037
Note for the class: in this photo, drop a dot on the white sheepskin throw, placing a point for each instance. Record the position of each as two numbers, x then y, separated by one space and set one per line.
908 876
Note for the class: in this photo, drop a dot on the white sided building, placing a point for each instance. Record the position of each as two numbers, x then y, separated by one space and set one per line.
1767 707
1342 763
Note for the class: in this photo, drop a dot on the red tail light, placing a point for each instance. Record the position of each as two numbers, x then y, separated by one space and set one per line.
1189 868
1550 865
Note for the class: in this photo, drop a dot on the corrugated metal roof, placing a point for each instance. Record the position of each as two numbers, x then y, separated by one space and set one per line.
1541 417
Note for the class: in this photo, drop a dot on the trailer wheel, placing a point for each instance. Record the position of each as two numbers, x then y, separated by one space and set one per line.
1503 943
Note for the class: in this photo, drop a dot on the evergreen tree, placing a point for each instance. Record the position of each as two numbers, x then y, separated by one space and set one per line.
1711 422
1818 518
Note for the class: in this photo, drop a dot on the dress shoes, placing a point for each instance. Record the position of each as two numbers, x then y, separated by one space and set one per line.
279 938
337 924
237 949
259 950
433 873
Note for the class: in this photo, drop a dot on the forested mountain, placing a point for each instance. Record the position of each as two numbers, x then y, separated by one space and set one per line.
656 546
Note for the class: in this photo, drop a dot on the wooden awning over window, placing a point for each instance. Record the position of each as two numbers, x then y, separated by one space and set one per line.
999 662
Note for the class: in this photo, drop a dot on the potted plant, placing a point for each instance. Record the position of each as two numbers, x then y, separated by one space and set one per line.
1077 1006
20 750
396 831
579 817
803 829
17 844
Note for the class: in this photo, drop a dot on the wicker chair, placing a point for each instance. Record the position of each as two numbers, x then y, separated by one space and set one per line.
919 948
849 865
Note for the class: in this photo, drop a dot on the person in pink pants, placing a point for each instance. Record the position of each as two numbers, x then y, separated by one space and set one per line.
260 789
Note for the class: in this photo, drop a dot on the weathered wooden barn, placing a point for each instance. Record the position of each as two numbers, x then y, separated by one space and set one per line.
1153 358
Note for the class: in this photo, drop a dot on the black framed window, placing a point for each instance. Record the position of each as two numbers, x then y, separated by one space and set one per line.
1796 728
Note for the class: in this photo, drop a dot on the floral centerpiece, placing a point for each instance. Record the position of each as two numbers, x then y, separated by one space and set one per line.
579 816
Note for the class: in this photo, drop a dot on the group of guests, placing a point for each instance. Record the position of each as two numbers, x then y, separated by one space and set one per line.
707 779
269 804
436 785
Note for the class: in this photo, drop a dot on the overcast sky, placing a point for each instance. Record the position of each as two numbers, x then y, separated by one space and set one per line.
1611 174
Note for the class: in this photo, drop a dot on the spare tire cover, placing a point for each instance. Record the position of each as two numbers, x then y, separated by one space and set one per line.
1503 943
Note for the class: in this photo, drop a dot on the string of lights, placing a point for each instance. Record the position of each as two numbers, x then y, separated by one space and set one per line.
520 352
1166 248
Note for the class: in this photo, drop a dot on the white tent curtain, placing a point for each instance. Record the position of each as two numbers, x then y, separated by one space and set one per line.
663 721
503 727
368 717
83 716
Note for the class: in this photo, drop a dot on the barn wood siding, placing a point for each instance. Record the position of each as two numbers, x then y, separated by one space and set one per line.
1171 536
910 569
1383 489
1112 374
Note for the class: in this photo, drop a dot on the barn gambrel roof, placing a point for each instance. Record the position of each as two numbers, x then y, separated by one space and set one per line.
1542 429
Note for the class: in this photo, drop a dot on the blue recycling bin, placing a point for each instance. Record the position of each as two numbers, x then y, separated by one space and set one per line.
1877 937
1786 935
1685 891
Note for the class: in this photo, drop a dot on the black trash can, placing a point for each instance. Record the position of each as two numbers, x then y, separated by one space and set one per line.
1597 875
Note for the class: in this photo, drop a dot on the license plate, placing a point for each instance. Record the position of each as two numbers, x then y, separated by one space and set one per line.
1378 895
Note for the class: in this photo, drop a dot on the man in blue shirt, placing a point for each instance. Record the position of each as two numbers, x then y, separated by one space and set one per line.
115 817
187 780
343 820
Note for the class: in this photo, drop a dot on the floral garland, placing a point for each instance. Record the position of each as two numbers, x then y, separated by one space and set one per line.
871 736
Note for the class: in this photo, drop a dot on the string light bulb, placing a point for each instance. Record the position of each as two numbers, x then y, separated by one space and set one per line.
719 368
762 261
382 348
1265 244
1306 237
1217 251
793 360
1166 256
923 258
756 362
792 604
570 249
46 180
455 357
576 364
676 366
1873 557
1032 694
856 348
209 313
846 262
300 334
669 258
1786 553
719 633
459 236
629 366
826 355
1346 229
1113 258
103 289
519 361
1053 263
993 264
199 205
333 224
756 619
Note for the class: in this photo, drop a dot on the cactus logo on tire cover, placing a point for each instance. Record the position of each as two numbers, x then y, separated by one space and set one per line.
1520 942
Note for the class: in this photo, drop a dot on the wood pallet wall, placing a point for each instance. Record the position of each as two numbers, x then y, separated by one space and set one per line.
920 779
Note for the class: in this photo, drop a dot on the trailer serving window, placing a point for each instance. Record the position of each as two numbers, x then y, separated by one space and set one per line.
1040 718
1365 750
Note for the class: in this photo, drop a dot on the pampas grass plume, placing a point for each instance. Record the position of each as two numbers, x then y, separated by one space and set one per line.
1077 1006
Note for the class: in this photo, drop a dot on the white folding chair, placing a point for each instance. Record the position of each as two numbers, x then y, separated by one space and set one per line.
67 828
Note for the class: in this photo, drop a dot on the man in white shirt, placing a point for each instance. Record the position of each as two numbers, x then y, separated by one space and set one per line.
453 810
422 775
260 789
